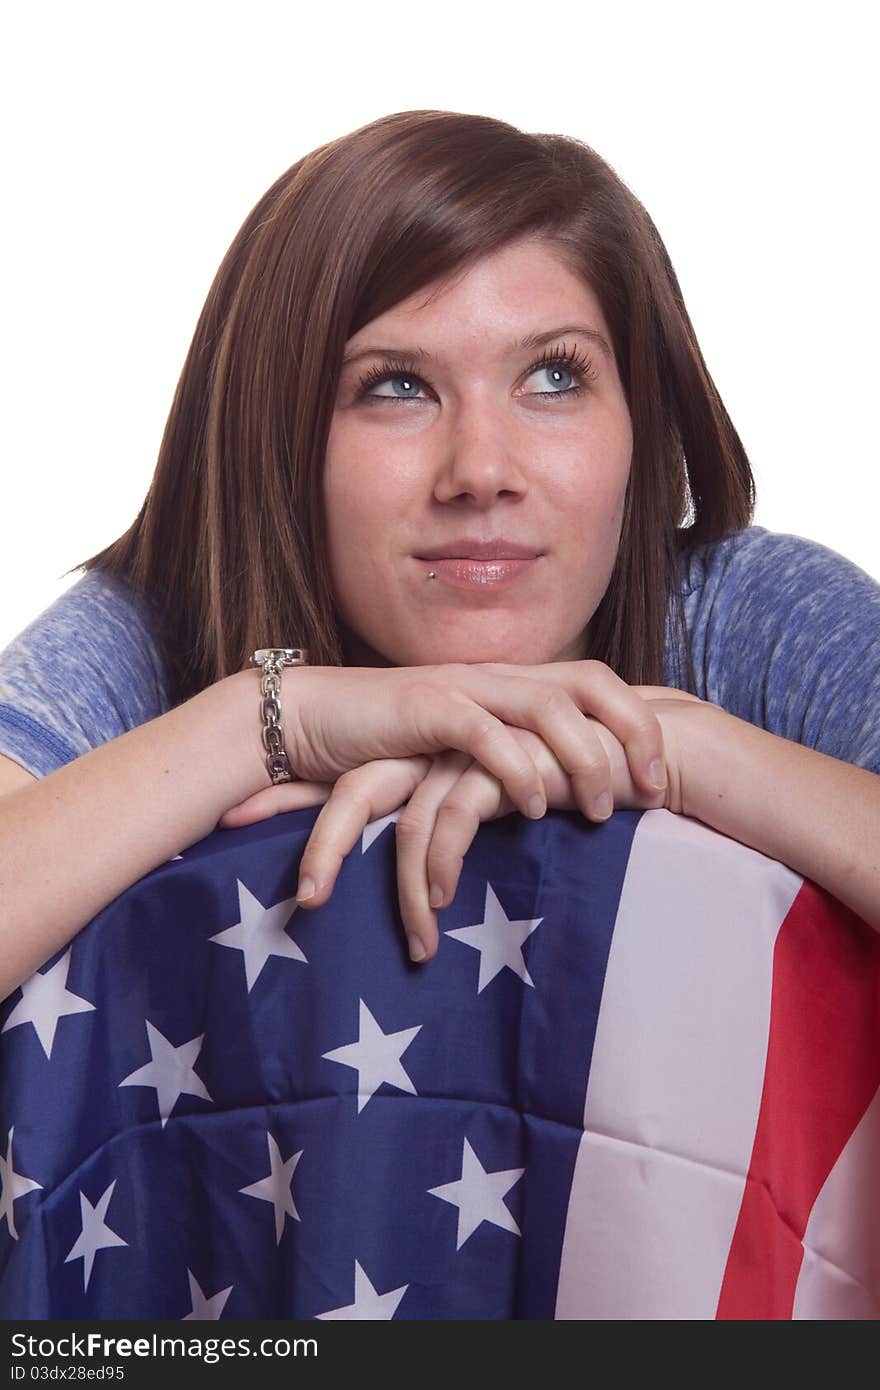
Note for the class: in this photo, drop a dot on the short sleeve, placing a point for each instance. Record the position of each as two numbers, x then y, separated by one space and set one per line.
86 670
785 633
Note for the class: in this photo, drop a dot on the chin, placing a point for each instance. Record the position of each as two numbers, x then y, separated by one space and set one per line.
470 649
475 653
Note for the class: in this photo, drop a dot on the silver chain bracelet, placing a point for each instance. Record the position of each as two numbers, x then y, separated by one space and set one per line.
272 660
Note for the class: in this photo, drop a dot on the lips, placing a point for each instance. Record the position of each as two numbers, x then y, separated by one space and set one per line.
474 549
480 563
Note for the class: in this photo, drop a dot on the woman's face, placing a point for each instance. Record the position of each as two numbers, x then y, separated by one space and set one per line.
473 445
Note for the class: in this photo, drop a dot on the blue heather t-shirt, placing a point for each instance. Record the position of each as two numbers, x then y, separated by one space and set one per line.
785 633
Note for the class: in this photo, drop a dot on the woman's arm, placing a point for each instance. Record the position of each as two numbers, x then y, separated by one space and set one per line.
74 840
814 813
818 815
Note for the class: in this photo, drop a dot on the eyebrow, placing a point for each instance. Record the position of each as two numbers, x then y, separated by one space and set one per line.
533 340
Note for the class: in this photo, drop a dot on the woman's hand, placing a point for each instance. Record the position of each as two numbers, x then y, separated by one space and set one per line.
367 793
449 795
443 814
337 719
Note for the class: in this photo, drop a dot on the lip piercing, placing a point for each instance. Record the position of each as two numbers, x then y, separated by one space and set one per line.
430 575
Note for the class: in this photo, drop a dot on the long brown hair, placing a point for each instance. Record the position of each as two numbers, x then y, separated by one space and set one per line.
230 543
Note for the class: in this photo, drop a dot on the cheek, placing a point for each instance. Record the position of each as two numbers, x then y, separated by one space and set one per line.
356 464
341 518
362 505
596 492
614 476
367 480
347 494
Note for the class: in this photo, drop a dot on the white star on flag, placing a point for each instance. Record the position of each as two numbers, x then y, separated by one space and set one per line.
479 1196
12 1185
204 1309
170 1072
374 828
275 1187
95 1235
260 933
368 1304
498 940
45 999
375 1057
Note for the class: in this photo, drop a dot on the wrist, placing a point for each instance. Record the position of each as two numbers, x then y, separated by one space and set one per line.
270 664
699 735
243 701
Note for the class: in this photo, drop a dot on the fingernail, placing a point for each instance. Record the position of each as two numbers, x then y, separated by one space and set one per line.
435 897
416 949
602 805
305 890
657 774
536 806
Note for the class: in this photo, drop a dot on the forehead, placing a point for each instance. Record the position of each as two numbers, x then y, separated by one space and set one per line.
520 289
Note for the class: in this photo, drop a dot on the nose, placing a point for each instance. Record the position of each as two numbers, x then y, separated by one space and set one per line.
479 457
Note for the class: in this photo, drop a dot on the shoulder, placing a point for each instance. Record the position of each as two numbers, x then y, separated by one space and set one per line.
83 671
755 588
98 618
783 567
785 632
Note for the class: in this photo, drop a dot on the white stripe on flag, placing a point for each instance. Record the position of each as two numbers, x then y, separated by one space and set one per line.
840 1275
676 1075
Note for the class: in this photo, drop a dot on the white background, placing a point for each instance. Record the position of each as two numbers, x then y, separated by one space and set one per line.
139 136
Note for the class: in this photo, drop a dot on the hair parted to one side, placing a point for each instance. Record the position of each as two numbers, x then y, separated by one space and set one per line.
230 543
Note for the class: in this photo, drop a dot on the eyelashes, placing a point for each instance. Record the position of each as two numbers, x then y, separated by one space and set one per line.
576 363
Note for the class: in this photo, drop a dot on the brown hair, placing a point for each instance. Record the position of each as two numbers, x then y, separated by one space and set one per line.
230 543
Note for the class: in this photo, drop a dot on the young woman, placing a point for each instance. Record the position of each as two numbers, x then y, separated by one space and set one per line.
444 423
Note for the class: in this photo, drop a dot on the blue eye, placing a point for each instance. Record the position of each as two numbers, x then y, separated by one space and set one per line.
554 370
410 384
557 365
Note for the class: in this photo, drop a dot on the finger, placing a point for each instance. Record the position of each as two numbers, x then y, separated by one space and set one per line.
633 722
574 741
599 692
359 796
666 692
271 801
457 719
475 797
413 834
557 783
542 705
547 708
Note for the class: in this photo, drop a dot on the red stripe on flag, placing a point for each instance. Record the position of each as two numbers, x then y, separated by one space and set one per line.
823 1068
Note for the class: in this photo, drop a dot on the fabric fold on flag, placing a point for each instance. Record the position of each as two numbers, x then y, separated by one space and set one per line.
640 1080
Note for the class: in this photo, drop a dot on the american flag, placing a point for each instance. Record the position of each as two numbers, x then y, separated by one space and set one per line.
639 1081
